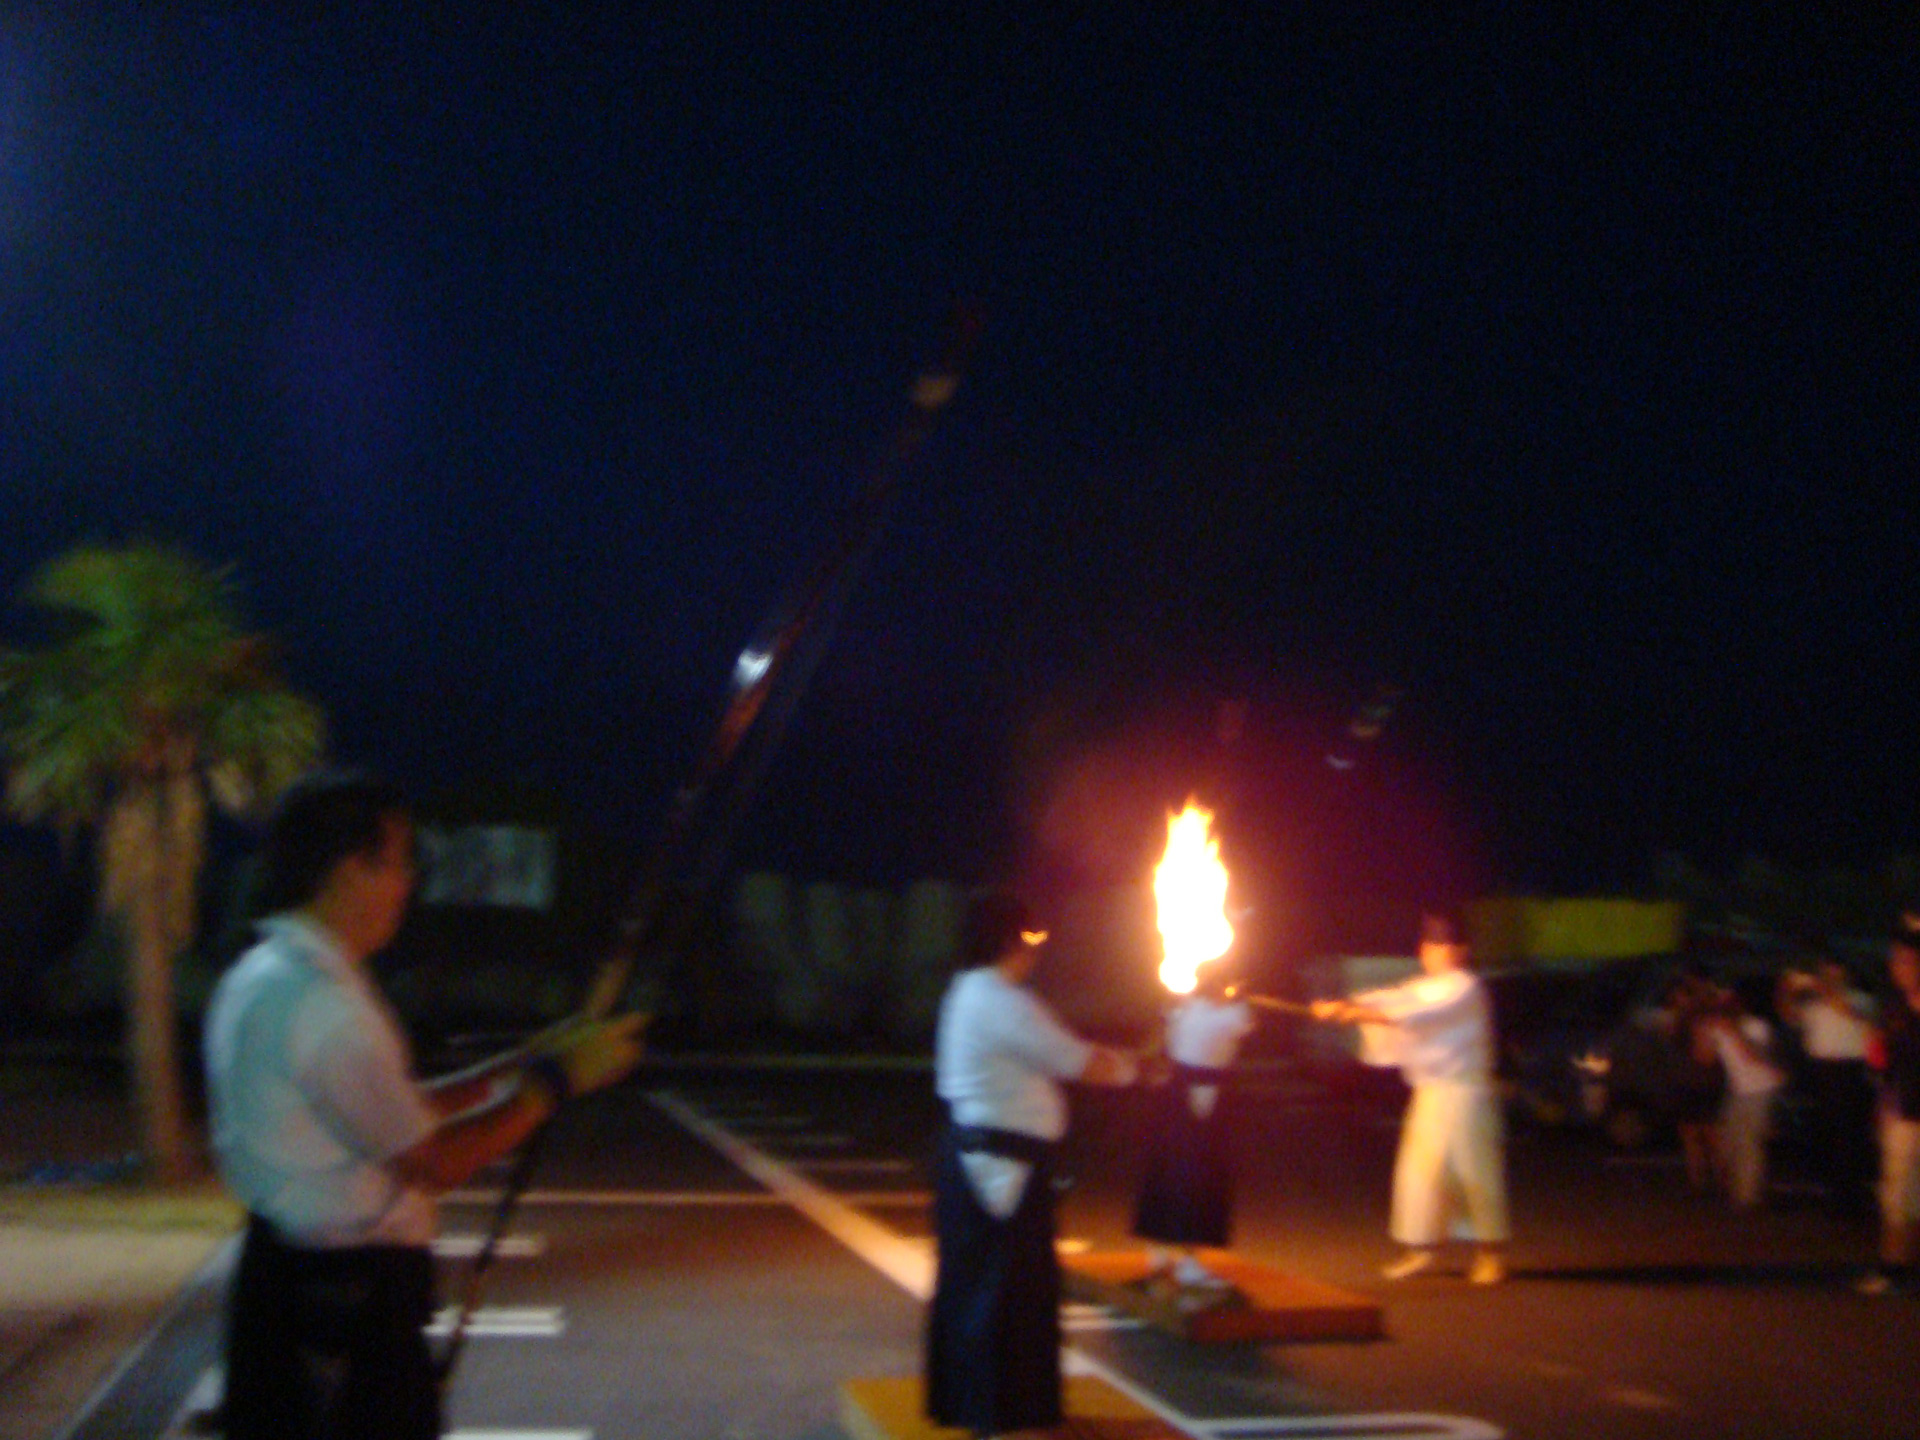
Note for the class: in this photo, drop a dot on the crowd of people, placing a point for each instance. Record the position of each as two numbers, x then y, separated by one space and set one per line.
1845 1052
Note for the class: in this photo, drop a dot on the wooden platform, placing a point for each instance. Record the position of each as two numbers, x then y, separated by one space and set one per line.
895 1409
1265 1306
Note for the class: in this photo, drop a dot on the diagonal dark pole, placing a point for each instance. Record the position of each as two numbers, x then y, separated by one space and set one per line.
780 645
780 656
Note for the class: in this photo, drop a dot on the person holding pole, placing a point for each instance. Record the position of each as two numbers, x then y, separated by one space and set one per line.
337 1152
1000 1055
1438 1028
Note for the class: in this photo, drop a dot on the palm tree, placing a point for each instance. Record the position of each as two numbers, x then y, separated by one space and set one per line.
149 702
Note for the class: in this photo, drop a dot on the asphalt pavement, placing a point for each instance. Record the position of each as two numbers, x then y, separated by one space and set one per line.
711 1252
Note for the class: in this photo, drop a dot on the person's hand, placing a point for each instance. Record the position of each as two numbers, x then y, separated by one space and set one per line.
593 1054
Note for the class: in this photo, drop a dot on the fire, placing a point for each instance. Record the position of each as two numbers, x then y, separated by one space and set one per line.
1190 887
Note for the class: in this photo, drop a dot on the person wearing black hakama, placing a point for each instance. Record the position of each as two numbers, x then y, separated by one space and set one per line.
993 1332
1186 1194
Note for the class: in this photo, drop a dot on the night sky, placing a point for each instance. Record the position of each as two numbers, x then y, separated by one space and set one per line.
1554 378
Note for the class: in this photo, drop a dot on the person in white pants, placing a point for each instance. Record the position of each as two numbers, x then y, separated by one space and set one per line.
1743 1042
1450 1176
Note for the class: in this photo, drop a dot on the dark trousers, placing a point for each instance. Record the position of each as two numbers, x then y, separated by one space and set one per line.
1843 1135
329 1344
993 1333
1186 1193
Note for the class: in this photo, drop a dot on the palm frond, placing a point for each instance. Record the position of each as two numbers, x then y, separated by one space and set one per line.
154 672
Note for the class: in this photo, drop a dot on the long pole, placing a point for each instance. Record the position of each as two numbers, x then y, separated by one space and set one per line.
774 649
780 645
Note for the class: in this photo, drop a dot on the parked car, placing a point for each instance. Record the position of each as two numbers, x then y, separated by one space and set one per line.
1549 1026
1596 1047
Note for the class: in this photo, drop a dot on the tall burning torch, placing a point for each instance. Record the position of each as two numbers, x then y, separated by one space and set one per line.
1190 891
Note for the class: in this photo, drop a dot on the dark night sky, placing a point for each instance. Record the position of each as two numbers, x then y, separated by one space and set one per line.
1560 372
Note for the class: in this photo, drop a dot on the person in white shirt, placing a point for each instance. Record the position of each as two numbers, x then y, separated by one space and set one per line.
1000 1055
1186 1192
1744 1042
1835 1021
1450 1174
321 1132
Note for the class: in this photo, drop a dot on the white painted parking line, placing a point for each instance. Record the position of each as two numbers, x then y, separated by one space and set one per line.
908 1265
502 1322
507 1247
202 1400
1076 1317
519 1435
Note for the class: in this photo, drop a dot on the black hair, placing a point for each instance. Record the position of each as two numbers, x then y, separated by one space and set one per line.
321 820
994 926
1442 925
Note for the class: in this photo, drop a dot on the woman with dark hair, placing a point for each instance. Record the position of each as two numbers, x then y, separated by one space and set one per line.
993 1333
322 1133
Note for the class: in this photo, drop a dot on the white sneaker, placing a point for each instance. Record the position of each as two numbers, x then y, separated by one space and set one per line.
1409 1265
1487 1270
1874 1282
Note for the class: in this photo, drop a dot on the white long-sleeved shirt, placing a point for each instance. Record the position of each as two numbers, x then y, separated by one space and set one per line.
1439 1027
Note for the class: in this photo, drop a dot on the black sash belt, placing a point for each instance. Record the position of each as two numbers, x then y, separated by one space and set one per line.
984 1139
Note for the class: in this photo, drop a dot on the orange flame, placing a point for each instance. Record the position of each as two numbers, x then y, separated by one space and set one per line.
1190 887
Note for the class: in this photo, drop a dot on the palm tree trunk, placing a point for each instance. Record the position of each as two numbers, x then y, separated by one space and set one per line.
135 888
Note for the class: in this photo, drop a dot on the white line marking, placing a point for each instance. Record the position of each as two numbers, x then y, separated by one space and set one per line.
909 1264
203 1399
1081 1324
221 1255
519 1435
501 1322
508 1247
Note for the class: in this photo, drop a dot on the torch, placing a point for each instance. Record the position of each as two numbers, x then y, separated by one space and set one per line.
1190 892
1190 895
